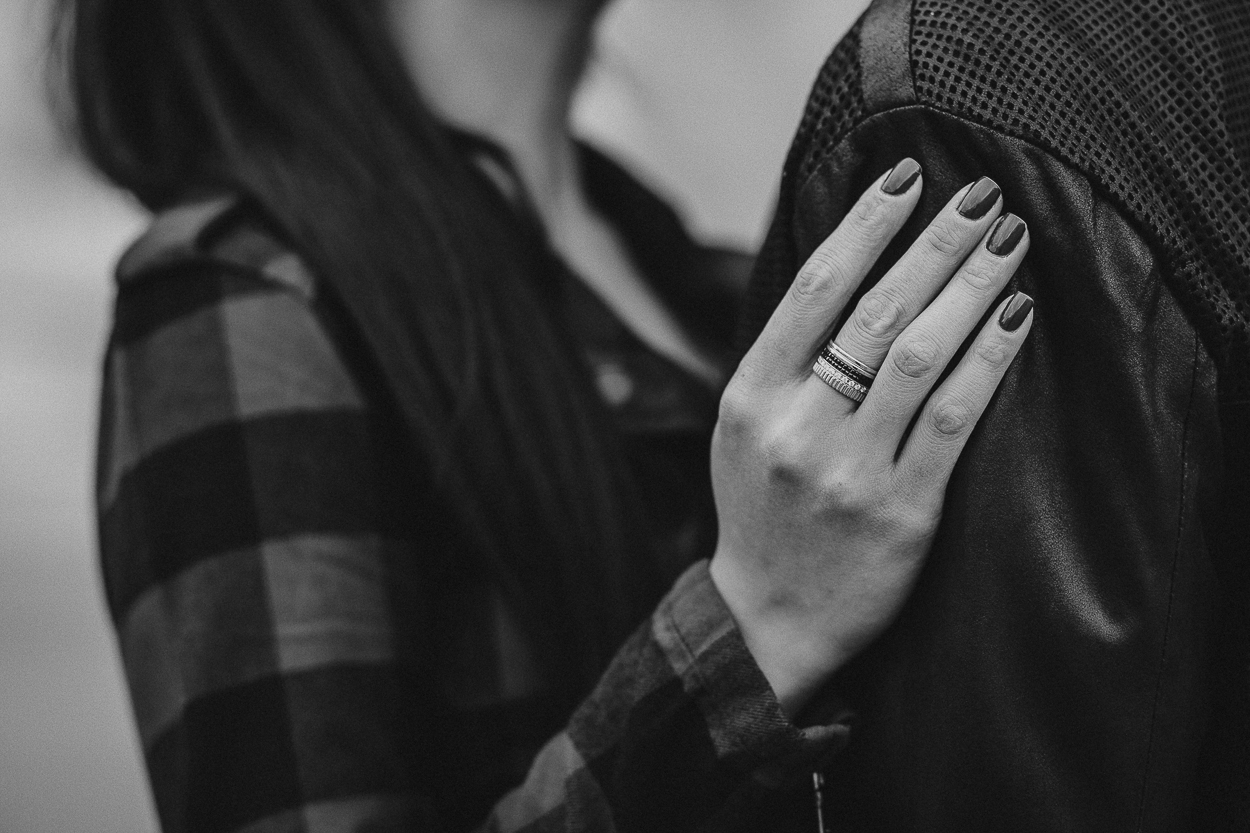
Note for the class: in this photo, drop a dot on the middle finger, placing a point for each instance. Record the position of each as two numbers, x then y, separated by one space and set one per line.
918 357
917 276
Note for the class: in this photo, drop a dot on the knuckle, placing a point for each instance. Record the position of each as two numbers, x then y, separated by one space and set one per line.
915 357
735 413
869 216
980 275
993 352
879 315
944 239
951 417
818 277
786 459
845 490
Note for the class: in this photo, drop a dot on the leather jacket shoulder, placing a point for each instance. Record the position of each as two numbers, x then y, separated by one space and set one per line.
1072 658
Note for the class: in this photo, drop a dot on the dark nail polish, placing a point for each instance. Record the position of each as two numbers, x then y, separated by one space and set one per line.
978 201
1007 234
902 178
1015 312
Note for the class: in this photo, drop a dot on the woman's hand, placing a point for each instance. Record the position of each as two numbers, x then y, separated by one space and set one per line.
828 508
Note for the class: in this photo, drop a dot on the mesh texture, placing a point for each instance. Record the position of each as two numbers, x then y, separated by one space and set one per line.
835 105
1149 98
1120 89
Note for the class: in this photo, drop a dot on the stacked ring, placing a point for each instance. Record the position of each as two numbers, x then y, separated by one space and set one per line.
843 372
859 371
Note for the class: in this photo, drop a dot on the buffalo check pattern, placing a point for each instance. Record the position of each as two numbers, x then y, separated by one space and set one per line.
293 665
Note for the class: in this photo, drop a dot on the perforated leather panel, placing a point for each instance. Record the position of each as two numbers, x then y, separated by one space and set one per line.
1145 96
1150 98
835 106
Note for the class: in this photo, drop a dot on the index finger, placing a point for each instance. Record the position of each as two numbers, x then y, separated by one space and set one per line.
801 322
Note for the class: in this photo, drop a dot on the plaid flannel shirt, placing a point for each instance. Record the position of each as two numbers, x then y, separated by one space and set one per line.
293 666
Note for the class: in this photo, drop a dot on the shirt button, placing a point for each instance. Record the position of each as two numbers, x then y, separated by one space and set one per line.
616 386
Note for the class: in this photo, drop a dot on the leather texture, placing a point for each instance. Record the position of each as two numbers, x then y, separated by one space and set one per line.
1076 656
1049 672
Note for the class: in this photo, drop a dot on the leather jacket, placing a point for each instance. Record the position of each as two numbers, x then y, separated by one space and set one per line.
1074 655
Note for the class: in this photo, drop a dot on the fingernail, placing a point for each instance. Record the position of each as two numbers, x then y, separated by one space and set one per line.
977 203
1007 234
902 177
1015 312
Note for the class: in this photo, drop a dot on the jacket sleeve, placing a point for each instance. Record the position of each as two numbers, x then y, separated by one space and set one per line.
1058 636
269 618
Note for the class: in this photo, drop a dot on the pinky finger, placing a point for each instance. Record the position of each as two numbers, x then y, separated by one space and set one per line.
953 410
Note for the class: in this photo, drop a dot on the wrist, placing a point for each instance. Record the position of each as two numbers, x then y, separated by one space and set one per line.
784 637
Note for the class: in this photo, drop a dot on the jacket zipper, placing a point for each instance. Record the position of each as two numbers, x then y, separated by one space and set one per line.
818 789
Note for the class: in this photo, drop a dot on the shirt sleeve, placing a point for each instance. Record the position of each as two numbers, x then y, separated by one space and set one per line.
682 733
248 570
265 609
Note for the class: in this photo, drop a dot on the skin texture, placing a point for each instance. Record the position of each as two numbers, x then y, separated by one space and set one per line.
826 509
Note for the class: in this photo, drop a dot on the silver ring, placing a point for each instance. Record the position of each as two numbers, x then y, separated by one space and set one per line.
840 381
853 364
843 372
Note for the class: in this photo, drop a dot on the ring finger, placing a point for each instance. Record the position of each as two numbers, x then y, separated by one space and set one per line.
890 306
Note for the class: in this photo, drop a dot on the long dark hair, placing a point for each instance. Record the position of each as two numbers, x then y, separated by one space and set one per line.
305 107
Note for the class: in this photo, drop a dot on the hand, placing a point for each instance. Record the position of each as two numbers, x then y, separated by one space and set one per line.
828 508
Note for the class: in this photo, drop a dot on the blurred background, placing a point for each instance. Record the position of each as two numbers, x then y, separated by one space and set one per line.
699 97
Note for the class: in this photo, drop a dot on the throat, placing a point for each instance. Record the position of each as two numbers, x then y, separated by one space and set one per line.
508 70
504 69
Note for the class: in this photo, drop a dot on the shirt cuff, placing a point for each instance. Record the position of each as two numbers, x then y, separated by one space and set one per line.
698 634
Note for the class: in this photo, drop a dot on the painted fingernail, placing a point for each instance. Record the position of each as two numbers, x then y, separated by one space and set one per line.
1015 312
902 177
1007 234
978 201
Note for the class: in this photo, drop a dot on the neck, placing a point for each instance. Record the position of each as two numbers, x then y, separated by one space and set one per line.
506 69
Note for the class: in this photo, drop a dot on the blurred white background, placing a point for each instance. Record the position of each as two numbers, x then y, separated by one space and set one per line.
699 96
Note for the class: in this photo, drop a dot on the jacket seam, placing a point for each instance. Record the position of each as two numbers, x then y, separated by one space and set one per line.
1176 557
1171 261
